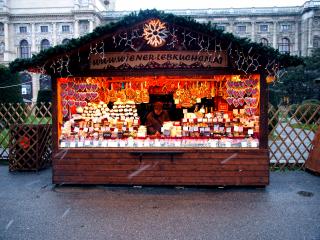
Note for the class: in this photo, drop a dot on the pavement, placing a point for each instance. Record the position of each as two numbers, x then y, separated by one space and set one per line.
31 207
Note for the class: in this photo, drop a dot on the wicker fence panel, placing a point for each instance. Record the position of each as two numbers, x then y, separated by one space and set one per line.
291 130
30 147
18 113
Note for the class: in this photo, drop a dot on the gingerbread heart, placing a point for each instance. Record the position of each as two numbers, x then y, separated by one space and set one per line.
254 91
247 82
230 84
71 93
248 111
253 111
254 101
235 93
241 101
77 96
88 95
241 93
94 87
94 95
71 102
76 87
247 100
235 102
230 92
64 85
70 84
77 103
229 100
249 91
64 102
255 82
82 86
83 103
65 112
83 95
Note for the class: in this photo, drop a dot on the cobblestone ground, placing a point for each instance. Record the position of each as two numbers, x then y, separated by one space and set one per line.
32 208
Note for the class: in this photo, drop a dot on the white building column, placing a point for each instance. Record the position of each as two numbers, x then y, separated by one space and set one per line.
76 28
274 41
54 34
33 38
309 33
35 86
6 42
296 42
90 25
253 31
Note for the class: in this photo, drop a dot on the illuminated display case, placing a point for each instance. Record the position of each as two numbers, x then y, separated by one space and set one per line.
219 111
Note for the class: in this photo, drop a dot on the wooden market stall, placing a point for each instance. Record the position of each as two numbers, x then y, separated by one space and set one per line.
212 85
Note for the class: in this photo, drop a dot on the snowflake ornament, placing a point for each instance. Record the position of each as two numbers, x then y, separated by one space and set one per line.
155 33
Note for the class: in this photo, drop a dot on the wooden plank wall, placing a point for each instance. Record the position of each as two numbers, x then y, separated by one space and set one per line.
192 167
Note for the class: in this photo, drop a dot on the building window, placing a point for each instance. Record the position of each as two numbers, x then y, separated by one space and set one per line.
264 42
65 41
1 29
284 45
264 28
45 44
44 29
1 47
23 29
242 28
24 49
285 27
316 42
221 27
65 28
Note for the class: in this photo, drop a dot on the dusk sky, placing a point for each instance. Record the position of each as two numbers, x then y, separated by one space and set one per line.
188 4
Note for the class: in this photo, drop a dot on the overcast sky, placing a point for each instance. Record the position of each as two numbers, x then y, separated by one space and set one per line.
198 4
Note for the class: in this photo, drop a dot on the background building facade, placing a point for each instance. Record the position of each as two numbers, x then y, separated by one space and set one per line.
29 26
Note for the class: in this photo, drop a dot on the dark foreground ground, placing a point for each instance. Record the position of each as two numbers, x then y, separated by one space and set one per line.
32 208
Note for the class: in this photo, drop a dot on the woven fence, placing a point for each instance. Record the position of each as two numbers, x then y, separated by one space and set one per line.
291 129
18 113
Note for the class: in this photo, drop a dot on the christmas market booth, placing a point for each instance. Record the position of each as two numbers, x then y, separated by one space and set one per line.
157 99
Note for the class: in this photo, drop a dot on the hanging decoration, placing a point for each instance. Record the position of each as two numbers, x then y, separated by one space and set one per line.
155 33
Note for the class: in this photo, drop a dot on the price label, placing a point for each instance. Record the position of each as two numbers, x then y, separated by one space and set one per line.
228 144
250 131
76 129
241 111
184 120
63 144
244 144
130 129
86 129
240 129
107 129
157 144
146 144
185 128
87 142
122 143
80 144
216 128
213 144
195 129
205 120
228 130
185 111
225 116
96 143
72 144
177 143
104 144
236 128
215 120
235 111
200 120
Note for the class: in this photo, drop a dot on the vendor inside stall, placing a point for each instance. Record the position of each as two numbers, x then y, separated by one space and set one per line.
156 118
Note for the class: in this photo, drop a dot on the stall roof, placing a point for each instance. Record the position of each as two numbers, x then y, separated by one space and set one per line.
269 57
